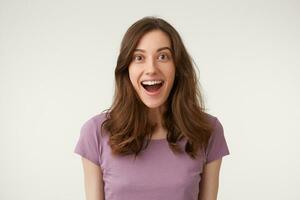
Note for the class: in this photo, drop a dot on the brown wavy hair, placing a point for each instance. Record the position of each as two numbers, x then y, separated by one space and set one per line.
127 120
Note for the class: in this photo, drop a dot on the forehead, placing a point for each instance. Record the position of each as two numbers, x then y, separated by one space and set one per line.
154 40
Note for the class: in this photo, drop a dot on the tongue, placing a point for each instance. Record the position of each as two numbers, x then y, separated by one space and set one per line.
152 88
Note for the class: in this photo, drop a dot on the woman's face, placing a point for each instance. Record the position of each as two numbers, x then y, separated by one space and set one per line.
152 69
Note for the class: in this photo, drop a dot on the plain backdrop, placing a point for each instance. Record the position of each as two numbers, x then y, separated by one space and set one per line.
57 61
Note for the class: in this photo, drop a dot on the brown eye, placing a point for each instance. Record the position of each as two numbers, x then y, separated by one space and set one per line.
137 57
163 56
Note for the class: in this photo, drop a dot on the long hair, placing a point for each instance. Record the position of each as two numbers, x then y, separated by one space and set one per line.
127 120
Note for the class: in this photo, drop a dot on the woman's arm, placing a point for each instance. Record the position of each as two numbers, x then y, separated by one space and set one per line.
209 184
92 180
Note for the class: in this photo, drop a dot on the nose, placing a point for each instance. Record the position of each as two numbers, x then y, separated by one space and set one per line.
151 67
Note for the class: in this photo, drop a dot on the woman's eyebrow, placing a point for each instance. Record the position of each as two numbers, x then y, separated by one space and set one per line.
160 49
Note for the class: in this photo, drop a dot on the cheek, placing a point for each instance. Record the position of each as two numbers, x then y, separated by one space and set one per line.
171 73
133 77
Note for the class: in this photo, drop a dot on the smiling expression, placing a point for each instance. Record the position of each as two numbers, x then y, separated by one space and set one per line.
152 61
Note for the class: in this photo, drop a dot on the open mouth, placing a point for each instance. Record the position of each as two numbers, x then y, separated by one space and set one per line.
153 87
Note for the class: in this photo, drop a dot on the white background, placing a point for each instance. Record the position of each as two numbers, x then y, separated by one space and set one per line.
57 61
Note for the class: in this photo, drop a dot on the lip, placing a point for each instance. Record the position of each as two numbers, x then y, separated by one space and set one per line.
156 92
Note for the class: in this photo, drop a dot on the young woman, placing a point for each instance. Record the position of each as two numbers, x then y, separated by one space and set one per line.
156 142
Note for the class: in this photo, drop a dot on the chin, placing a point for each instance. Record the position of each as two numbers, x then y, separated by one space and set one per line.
153 104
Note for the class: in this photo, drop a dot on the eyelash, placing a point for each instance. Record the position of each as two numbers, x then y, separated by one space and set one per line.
142 56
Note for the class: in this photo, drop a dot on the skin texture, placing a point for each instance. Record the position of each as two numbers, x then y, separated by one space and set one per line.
209 185
152 64
94 186
149 62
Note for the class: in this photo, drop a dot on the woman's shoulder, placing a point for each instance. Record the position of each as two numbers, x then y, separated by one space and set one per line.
211 118
96 119
94 122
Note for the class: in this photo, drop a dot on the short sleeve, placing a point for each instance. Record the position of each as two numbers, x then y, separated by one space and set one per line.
217 146
88 144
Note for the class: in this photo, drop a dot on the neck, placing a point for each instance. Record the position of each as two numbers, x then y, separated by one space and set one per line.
155 116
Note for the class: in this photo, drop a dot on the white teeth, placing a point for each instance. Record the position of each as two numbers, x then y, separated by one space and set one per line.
151 82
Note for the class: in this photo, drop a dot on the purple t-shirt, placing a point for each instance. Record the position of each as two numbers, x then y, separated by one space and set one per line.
157 173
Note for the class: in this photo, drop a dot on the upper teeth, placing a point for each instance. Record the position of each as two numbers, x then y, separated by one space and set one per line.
151 82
